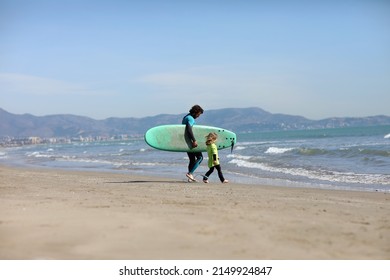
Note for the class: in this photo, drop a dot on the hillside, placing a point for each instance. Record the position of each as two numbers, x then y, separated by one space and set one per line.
236 119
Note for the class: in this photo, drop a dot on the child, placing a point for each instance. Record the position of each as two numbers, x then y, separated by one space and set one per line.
212 152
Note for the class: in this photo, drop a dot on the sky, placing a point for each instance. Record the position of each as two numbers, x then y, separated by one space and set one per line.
139 58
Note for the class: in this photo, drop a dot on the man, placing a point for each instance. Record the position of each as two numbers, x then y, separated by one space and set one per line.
195 158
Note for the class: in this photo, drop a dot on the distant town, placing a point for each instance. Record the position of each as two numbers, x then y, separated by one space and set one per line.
34 140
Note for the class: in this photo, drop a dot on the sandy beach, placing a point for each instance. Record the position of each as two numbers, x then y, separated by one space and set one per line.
56 214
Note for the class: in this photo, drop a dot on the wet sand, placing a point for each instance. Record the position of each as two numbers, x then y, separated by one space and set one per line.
56 214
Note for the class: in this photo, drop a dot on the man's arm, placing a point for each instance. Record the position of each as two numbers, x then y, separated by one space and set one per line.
190 134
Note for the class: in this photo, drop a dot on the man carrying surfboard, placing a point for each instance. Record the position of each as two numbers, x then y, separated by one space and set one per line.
195 158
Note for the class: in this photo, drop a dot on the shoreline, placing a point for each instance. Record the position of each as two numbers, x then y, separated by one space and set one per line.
62 214
234 178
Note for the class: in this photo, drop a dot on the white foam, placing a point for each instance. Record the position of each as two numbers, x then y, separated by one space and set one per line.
256 143
275 150
323 175
38 155
236 156
387 136
81 160
254 165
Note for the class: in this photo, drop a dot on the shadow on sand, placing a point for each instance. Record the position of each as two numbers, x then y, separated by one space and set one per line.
145 181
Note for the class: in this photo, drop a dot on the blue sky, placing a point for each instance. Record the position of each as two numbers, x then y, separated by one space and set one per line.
120 58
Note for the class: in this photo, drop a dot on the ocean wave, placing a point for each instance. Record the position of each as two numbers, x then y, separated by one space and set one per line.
39 155
381 153
240 162
322 175
275 150
343 152
256 143
312 151
387 136
237 156
111 161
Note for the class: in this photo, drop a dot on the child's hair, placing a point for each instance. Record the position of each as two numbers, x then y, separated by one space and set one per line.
211 137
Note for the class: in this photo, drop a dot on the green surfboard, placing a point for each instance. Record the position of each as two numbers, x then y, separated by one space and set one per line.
172 138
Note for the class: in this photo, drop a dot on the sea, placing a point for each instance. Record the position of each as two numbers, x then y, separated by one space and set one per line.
352 158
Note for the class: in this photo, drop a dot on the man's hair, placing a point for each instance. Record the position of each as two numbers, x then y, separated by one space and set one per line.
196 109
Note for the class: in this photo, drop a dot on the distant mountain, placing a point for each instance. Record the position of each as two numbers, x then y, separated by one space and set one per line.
236 119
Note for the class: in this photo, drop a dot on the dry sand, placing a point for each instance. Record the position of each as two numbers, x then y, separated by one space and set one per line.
55 214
